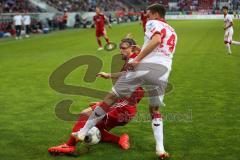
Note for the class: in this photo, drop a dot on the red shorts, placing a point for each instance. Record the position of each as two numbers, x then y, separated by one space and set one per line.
118 116
100 32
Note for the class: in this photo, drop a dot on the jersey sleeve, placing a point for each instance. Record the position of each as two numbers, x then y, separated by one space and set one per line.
152 28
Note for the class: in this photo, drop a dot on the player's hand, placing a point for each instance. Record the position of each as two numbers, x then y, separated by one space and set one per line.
92 104
104 75
132 65
110 26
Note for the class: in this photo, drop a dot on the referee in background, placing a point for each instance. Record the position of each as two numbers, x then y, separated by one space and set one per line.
18 21
27 23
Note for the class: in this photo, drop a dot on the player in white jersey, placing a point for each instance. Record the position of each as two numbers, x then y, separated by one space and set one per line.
228 28
27 23
18 21
151 69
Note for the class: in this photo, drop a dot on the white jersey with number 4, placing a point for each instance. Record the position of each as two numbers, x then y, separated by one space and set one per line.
163 54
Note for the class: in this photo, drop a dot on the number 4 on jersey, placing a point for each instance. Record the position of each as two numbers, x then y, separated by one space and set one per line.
170 41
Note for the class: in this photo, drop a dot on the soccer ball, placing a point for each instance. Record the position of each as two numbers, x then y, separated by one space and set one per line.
93 136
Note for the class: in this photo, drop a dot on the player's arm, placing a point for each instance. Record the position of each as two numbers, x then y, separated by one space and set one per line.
153 43
231 24
94 22
107 22
110 75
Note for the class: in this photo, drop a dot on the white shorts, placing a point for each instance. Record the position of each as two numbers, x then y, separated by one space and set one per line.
228 35
153 77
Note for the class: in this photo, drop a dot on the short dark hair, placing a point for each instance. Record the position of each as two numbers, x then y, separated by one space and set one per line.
225 7
157 8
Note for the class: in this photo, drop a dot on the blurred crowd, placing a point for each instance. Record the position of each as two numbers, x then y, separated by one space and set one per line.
12 6
9 26
86 5
124 11
9 6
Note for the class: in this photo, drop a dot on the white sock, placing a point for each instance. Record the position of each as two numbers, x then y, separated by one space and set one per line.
157 126
236 43
228 48
97 115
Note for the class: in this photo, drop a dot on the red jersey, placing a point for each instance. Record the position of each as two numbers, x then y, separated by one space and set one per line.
144 20
99 20
122 112
144 17
65 17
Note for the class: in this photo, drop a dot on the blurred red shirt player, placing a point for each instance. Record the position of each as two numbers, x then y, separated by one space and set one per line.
144 19
99 20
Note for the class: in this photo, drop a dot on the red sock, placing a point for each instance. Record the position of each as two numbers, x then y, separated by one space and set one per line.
71 141
156 115
99 42
80 123
107 40
109 137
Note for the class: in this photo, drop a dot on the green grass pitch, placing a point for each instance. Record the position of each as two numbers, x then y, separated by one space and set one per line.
202 115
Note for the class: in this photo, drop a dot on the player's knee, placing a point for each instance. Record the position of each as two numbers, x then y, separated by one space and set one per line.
153 109
86 112
99 111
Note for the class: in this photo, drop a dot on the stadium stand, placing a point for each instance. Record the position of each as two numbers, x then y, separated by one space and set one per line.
83 5
118 10
11 6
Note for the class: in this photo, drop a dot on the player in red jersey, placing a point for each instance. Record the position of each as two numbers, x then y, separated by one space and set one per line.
99 20
121 112
144 19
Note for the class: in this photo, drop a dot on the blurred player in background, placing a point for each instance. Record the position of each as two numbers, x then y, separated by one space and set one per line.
121 112
144 19
99 20
65 18
151 68
27 23
18 22
228 28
